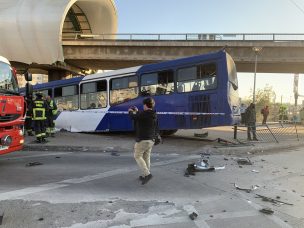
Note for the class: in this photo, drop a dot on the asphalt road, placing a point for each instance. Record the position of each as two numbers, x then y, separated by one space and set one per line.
101 189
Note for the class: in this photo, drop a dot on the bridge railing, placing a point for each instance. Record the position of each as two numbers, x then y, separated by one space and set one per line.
187 36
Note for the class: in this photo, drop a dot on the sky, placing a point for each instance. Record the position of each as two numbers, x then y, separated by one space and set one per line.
220 16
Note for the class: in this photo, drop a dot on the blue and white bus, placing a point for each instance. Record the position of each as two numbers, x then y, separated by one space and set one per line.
190 93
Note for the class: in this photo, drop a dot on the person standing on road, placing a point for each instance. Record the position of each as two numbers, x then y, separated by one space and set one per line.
39 116
265 113
250 120
29 113
52 112
145 123
242 111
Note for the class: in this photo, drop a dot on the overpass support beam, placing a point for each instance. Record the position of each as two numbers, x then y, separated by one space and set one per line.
58 74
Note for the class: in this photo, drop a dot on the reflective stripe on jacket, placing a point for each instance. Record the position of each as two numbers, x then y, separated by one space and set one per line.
39 110
53 107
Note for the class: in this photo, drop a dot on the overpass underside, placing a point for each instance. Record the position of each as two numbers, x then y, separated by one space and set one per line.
275 57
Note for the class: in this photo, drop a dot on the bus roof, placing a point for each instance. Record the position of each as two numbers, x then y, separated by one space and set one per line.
160 65
4 60
182 61
124 71
58 83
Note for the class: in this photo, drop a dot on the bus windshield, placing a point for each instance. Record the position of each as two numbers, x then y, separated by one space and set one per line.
8 82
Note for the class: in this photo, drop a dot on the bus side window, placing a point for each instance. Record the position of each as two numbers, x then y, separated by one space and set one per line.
66 97
159 83
197 78
180 87
196 86
93 95
123 89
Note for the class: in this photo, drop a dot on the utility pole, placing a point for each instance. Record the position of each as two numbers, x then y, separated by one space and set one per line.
256 51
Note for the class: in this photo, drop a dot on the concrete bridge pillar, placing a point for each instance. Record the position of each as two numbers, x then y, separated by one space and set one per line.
58 74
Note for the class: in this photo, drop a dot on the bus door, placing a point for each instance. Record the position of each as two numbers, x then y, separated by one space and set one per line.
199 84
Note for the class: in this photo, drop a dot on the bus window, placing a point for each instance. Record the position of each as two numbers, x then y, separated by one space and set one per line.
66 97
159 83
93 95
232 74
123 89
197 78
46 92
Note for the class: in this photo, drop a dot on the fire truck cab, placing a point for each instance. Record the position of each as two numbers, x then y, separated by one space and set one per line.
12 110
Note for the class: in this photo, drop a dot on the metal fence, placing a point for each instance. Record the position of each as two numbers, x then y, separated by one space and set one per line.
278 37
276 132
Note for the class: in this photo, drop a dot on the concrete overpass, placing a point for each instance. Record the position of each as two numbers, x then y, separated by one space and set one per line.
281 53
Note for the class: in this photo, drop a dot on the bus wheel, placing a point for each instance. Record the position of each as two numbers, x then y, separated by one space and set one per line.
168 132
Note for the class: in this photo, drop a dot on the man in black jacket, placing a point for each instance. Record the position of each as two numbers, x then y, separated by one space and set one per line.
145 127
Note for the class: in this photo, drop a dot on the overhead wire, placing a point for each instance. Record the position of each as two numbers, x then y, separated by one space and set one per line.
297 5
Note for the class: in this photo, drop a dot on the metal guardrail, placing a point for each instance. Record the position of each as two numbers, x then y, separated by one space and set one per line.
277 132
187 36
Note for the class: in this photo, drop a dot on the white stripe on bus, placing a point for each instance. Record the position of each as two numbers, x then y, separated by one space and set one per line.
170 113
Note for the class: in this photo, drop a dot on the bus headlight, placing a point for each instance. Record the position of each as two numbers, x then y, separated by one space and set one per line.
6 140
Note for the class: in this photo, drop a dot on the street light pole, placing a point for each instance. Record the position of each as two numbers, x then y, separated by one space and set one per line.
256 51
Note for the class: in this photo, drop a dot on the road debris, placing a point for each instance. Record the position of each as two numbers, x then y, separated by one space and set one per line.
244 161
40 219
1 218
201 166
33 164
255 171
203 135
274 201
248 190
267 211
193 216
115 153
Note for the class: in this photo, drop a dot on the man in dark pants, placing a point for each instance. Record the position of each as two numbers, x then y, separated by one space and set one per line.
28 117
250 121
265 113
39 116
145 127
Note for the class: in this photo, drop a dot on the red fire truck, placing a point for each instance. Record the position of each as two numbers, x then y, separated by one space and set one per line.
12 110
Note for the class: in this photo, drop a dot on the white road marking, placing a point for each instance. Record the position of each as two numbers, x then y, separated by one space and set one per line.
274 218
36 156
26 191
199 221
65 183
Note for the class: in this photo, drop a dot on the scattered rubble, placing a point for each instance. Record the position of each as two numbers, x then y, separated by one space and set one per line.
267 211
244 161
201 166
1 217
203 135
248 190
274 201
193 216
33 164
115 153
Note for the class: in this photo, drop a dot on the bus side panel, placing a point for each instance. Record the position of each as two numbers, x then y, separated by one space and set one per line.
119 121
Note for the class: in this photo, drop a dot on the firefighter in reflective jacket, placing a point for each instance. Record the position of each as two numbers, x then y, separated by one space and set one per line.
50 115
39 116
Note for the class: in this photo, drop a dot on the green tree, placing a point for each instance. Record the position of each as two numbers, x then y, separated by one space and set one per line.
265 96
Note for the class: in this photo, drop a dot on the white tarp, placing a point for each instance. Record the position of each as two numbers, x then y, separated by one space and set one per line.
31 30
